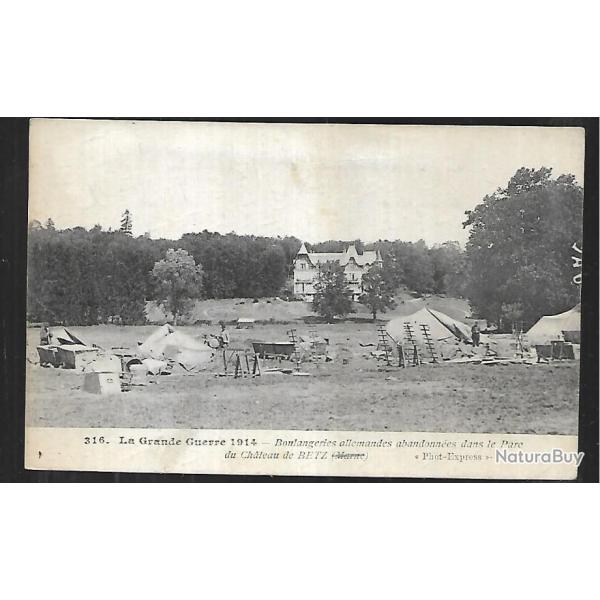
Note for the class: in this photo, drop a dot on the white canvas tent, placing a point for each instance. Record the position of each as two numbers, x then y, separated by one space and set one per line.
551 327
441 326
168 343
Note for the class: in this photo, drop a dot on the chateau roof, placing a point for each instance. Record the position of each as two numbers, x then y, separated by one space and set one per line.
303 249
368 257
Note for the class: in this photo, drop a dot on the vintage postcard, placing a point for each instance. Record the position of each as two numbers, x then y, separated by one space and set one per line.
304 299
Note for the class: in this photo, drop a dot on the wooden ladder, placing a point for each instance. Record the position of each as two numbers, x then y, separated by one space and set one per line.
295 354
412 356
402 359
429 343
382 344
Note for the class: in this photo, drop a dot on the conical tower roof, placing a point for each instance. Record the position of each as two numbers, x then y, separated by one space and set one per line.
351 251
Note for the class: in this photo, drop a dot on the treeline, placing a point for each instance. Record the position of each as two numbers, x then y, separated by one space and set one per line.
241 266
79 276
438 270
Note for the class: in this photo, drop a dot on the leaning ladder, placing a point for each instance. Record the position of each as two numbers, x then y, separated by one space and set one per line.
383 345
413 356
295 354
429 344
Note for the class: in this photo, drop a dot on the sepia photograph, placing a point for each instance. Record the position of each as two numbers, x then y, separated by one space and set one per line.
304 277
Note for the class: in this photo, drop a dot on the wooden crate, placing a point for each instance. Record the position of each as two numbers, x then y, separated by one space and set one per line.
273 349
47 355
75 356
102 383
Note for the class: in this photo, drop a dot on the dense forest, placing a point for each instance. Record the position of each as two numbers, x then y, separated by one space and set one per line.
79 276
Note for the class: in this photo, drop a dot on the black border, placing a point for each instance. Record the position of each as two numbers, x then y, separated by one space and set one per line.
14 142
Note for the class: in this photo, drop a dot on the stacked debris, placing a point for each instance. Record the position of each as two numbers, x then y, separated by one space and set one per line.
431 336
314 348
163 352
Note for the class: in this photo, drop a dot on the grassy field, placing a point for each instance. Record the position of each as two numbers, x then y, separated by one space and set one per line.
280 310
354 396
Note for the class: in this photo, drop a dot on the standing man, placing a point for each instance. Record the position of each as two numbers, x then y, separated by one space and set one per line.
45 335
475 334
223 336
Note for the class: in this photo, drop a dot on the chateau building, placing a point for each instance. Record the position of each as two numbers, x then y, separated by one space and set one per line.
307 264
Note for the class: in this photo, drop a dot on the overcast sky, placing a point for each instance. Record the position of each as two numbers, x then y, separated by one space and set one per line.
316 182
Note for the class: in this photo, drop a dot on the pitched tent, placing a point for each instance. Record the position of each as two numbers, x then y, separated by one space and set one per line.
551 327
441 326
166 342
461 330
154 343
